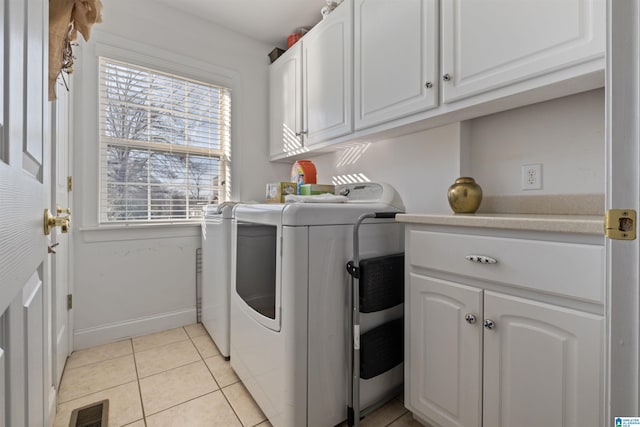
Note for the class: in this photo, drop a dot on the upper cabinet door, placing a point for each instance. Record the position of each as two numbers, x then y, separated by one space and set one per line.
396 64
285 102
327 84
489 45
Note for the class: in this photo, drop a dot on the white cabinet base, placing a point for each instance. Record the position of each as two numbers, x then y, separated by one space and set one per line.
482 351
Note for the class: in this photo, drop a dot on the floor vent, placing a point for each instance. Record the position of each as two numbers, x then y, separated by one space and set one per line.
93 415
199 285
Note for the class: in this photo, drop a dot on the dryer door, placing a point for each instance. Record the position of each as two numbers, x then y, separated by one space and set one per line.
257 278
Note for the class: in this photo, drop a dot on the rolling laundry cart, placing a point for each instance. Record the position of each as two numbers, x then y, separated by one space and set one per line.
376 284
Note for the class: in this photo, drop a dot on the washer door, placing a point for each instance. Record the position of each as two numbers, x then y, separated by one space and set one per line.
257 278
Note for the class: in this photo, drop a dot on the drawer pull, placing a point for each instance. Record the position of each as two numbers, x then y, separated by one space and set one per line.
481 259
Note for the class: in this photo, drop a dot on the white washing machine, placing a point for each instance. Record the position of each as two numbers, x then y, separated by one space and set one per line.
289 302
216 273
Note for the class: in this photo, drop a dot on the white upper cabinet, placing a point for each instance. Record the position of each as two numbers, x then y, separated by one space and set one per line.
491 44
327 70
396 66
375 65
310 88
285 103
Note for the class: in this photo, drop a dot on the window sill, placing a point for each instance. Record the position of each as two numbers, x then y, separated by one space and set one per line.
147 231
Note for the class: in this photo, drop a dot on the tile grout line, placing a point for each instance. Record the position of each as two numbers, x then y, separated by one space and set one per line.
400 416
202 358
59 402
216 381
94 392
94 363
182 403
197 397
232 408
165 345
135 364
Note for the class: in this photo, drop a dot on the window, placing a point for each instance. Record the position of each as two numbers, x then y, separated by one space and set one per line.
164 144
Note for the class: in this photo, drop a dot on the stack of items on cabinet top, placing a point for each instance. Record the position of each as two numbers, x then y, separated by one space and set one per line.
303 182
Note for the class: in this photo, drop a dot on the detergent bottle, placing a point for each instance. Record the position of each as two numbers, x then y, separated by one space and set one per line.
305 171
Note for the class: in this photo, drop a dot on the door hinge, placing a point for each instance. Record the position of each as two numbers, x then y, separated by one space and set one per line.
69 184
69 301
620 224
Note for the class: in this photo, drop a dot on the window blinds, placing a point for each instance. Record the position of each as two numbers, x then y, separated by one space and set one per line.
164 144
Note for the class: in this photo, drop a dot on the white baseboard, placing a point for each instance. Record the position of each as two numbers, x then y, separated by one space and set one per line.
105 334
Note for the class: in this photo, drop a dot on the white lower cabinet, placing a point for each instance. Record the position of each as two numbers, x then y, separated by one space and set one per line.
543 364
486 356
445 352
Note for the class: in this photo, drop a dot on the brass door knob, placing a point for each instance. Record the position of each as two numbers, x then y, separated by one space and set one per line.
60 210
51 221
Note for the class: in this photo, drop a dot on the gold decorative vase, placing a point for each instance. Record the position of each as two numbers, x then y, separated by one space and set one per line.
464 195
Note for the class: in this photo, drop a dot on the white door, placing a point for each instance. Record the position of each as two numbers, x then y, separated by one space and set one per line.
60 268
623 192
445 351
327 77
487 45
24 194
396 62
542 365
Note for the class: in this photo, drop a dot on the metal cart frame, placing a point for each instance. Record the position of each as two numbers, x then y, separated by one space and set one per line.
353 384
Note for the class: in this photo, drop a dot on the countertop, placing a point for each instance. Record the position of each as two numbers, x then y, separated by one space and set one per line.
582 224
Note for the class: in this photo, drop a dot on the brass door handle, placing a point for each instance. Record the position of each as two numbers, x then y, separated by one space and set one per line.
60 210
51 221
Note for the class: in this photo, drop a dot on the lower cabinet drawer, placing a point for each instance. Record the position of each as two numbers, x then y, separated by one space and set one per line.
559 268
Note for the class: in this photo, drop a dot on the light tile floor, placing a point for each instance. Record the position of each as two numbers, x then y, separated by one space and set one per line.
173 378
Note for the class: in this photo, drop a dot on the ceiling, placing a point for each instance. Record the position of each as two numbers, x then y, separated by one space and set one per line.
270 21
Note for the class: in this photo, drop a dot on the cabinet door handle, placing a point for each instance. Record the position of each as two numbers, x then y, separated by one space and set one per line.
481 259
446 77
470 318
489 324
302 132
428 85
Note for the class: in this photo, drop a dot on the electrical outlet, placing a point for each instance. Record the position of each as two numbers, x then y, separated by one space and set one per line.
532 177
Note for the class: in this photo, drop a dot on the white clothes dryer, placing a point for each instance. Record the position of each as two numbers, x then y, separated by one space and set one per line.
216 273
289 301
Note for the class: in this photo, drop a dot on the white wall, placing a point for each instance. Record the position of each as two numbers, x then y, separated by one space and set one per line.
566 135
138 280
419 166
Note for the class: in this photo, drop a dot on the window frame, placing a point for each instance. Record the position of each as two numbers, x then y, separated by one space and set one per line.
183 70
